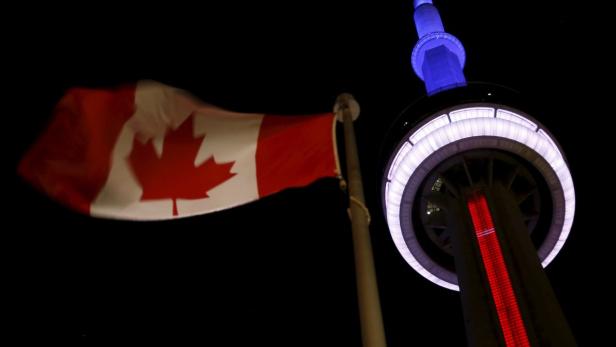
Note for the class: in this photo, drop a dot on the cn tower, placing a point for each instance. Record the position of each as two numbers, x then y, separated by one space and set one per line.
478 196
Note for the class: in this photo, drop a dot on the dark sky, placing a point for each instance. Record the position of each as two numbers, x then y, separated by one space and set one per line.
280 271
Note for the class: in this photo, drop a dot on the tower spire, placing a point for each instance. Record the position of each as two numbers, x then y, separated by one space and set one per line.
438 57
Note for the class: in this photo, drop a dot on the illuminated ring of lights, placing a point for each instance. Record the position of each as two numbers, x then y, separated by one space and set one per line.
476 122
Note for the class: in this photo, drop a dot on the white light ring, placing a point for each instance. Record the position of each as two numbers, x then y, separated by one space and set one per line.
407 198
539 142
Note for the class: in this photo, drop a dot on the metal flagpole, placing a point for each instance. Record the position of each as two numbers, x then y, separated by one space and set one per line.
372 331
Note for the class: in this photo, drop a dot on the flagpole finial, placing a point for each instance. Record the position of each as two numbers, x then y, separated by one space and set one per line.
346 101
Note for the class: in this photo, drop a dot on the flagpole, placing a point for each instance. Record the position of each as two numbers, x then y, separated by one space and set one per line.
372 331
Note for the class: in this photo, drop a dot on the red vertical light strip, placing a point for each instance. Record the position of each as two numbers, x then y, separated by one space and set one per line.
507 308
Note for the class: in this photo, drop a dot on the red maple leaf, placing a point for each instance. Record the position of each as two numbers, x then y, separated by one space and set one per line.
174 175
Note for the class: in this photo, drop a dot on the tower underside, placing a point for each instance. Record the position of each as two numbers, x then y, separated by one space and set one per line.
479 198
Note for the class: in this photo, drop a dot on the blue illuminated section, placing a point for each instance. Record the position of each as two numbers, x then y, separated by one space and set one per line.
438 57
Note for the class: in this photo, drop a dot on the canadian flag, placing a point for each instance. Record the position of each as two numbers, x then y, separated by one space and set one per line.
149 151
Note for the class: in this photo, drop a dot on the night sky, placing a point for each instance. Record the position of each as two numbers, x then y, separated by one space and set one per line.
279 272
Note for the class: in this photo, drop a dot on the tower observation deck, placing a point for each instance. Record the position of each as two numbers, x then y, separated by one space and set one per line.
478 196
